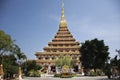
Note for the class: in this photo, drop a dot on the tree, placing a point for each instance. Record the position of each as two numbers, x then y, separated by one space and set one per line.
59 61
5 42
10 53
118 61
65 60
20 56
30 65
115 63
94 54
10 65
8 45
107 70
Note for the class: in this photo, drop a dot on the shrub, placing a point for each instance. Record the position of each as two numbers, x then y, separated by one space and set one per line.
34 73
66 75
92 73
73 74
99 73
57 75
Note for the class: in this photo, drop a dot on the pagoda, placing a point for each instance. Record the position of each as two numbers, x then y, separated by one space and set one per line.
62 43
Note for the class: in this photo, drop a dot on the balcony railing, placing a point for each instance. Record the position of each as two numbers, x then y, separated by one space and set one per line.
57 53
63 47
64 42
64 39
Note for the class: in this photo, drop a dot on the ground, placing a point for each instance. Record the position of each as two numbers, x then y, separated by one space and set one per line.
74 78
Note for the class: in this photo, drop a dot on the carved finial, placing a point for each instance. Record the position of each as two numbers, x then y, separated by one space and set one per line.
63 21
62 3
62 14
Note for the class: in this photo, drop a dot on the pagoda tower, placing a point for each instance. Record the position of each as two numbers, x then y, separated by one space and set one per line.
62 43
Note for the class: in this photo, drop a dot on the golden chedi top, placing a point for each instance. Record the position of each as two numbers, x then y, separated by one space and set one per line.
63 22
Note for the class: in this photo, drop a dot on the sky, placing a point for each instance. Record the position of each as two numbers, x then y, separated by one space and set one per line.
34 23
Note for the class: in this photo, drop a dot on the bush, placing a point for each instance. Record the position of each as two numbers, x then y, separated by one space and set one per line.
34 73
57 75
74 74
66 75
92 73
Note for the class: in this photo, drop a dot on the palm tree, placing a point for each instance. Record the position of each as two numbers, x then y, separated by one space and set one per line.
64 60
21 57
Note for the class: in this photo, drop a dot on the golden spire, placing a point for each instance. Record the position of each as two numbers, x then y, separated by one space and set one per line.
63 22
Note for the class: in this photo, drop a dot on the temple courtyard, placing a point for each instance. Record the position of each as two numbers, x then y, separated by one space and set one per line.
74 78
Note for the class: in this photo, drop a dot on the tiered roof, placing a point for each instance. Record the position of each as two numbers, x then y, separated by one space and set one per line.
63 42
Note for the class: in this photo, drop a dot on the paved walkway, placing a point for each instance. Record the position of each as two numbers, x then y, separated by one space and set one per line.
74 78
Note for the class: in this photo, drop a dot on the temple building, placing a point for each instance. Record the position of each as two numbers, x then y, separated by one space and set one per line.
62 43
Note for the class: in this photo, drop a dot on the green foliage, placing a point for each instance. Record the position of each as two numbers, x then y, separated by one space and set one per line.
66 75
30 66
34 73
74 74
10 54
9 65
115 62
67 60
107 69
59 61
5 42
57 75
64 60
119 65
100 72
92 73
94 54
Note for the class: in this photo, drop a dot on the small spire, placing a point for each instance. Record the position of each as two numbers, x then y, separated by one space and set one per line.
62 3
62 14
63 20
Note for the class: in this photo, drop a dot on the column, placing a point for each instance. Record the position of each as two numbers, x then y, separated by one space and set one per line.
43 57
1 72
49 69
50 58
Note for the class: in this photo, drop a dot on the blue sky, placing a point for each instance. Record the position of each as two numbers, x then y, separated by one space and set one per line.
33 23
